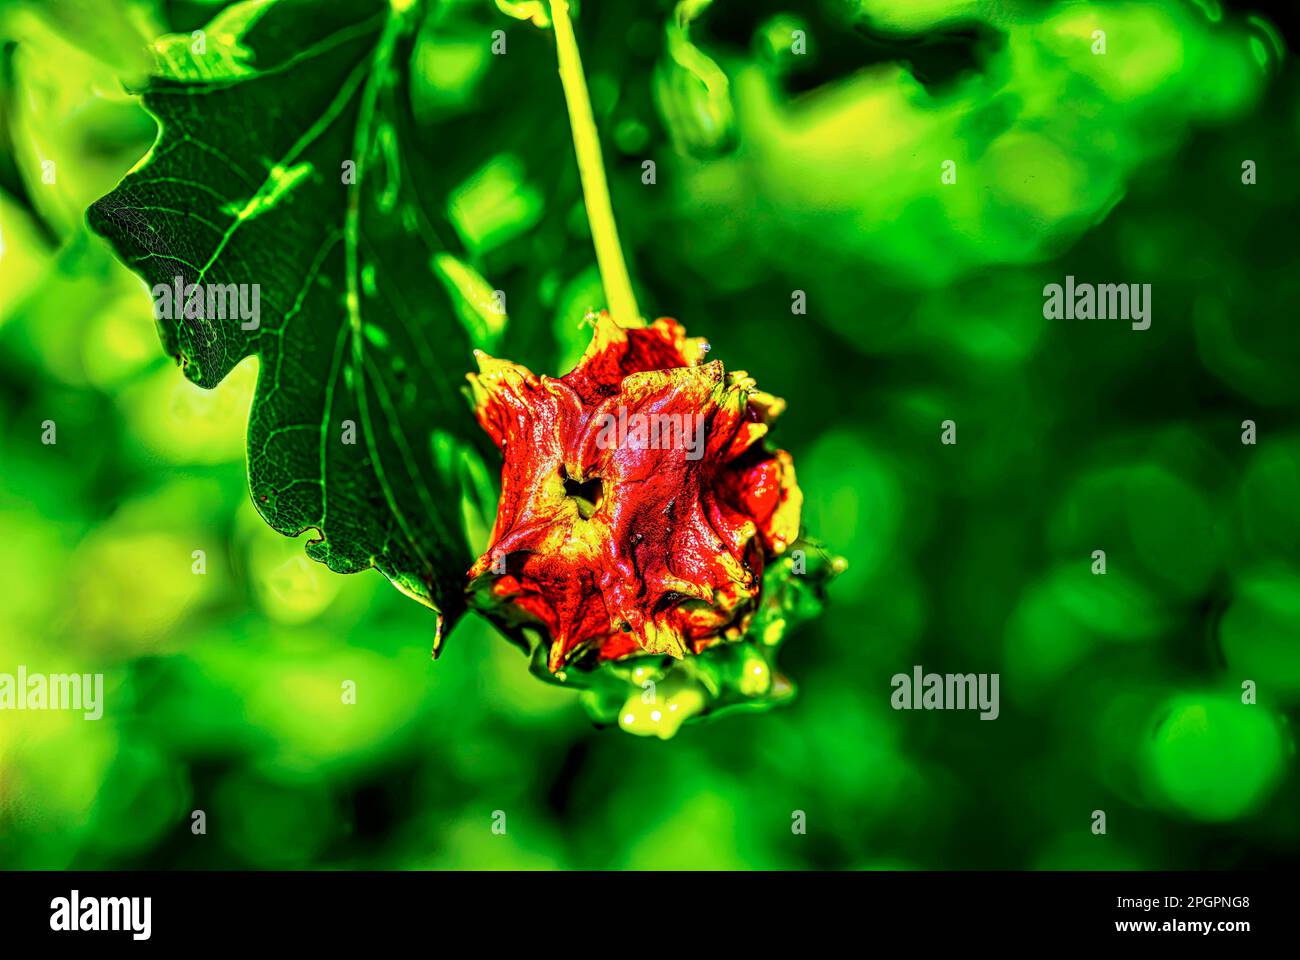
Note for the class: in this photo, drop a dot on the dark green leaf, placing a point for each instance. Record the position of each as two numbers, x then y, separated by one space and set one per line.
368 311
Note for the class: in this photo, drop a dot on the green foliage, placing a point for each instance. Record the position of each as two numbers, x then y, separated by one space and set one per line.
1121 692
308 176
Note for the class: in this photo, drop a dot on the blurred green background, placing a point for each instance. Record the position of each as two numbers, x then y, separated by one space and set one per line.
776 171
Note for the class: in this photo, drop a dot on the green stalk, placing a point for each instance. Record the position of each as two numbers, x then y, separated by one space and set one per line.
591 169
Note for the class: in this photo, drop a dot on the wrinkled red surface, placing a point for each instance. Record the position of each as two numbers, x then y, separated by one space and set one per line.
671 557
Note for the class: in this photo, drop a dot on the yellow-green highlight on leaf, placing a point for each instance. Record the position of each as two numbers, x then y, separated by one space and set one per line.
475 301
224 56
278 182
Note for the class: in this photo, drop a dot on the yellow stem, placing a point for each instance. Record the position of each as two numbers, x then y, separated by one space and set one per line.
586 143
